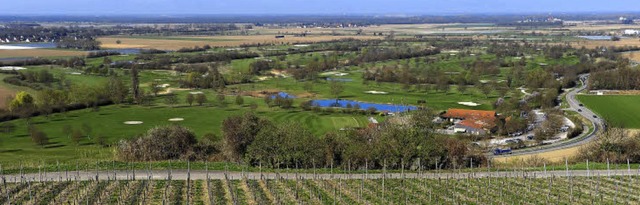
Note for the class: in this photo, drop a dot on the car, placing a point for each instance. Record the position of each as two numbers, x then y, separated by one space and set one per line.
579 110
530 137
595 116
581 105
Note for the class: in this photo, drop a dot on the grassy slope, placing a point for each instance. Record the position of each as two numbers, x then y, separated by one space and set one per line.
109 122
617 109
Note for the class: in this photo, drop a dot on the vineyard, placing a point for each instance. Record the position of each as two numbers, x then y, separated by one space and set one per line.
516 189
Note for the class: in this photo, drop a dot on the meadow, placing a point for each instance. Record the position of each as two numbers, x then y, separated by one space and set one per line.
618 110
108 122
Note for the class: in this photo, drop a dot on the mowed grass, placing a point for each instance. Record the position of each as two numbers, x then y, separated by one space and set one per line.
618 110
355 90
109 121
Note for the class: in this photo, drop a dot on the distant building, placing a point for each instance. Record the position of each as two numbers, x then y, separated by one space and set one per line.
475 122
631 32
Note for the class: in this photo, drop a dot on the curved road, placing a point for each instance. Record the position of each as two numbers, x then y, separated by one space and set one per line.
596 122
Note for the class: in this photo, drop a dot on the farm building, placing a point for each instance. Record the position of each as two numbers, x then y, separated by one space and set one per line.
475 122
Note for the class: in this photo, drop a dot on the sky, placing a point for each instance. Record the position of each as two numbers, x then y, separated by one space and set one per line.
390 7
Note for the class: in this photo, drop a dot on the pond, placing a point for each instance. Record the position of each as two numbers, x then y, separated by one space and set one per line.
123 51
363 105
283 95
340 79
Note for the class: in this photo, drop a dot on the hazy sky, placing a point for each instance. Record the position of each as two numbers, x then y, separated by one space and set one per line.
90 7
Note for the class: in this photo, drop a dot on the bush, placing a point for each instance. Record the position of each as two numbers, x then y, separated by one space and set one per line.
160 143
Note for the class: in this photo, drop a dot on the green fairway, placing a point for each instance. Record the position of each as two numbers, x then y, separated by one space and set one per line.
109 122
618 110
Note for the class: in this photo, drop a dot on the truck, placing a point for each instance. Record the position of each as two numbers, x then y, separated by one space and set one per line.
500 151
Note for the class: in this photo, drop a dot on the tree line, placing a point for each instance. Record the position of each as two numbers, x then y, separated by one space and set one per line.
257 141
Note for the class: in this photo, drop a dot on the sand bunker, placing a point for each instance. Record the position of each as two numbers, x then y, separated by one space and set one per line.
133 122
376 92
75 73
196 93
472 104
163 86
12 68
176 119
263 78
334 73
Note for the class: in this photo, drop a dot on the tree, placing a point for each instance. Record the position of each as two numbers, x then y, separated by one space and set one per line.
220 97
201 99
144 98
462 87
253 106
160 143
155 88
117 90
485 89
39 137
286 144
239 133
443 84
336 89
239 100
23 100
67 130
190 99
101 140
76 137
171 99
118 41
268 99
135 84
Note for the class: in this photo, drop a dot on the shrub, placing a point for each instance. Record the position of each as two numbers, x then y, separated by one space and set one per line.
160 143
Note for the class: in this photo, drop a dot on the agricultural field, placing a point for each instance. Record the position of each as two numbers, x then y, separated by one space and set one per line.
619 110
40 53
175 43
590 44
485 190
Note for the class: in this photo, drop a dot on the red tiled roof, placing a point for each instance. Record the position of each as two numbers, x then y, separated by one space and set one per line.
464 114
478 119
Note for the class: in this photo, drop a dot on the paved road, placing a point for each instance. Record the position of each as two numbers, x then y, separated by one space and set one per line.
202 175
597 123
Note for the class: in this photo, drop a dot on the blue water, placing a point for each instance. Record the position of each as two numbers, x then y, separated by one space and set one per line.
124 51
340 79
363 105
596 37
283 95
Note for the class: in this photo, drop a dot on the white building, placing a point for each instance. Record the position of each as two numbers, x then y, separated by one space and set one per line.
631 32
